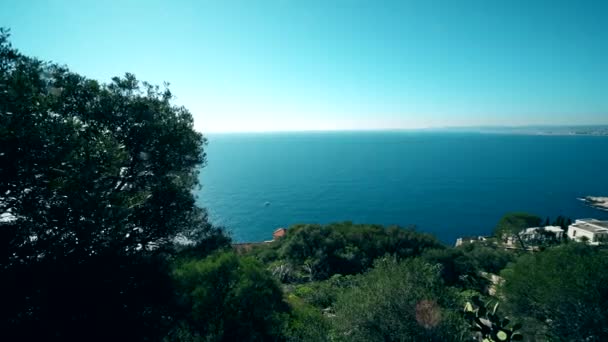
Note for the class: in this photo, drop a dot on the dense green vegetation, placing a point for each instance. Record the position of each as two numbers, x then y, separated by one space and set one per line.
315 252
374 292
561 293
95 184
396 301
101 240
223 297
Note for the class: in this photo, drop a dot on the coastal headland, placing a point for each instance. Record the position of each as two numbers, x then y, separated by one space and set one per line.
596 202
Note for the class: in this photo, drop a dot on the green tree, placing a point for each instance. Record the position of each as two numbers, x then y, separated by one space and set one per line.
457 268
96 183
319 251
306 322
227 298
562 222
512 224
560 292
399 301
323 294
488 258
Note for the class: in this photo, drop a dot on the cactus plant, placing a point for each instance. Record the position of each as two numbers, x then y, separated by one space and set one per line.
486 323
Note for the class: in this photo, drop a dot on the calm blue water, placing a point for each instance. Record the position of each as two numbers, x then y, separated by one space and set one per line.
448 184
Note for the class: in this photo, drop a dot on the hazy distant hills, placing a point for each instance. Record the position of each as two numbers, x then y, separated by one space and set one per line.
596 130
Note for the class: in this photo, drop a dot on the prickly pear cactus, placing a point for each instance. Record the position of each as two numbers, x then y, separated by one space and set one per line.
486 324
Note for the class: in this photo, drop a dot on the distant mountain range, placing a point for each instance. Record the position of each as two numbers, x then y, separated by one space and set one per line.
596 130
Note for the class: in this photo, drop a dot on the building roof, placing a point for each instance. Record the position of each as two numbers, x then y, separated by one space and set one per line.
533 230
526 231
593 221
472 238
603 224
554 229
279 232
591 225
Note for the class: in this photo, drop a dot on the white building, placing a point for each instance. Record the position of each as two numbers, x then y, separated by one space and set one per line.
557 230
469 239
536 234
591 230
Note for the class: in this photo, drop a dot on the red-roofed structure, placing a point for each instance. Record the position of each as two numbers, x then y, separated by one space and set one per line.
279 233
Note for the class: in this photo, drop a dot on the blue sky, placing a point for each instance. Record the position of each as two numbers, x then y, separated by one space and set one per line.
339 64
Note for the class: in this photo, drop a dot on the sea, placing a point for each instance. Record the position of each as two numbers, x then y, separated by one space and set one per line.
447 184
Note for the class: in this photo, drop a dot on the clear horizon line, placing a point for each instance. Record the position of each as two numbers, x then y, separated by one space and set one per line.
387 129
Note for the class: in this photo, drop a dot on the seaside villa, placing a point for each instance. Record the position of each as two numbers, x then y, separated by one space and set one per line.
536 234
592 230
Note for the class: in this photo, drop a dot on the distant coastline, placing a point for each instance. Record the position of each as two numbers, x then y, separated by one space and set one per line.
548 130
566 130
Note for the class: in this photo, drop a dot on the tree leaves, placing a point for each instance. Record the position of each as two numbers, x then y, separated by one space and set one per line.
398 301
93 175
76 146
561 291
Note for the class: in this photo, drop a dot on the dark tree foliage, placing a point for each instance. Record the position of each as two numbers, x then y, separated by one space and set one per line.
227 298
95 187
399 301
323 294
105 298
344 248
560 292
306 323
512 224
488 258
457 268
561 221
464 266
